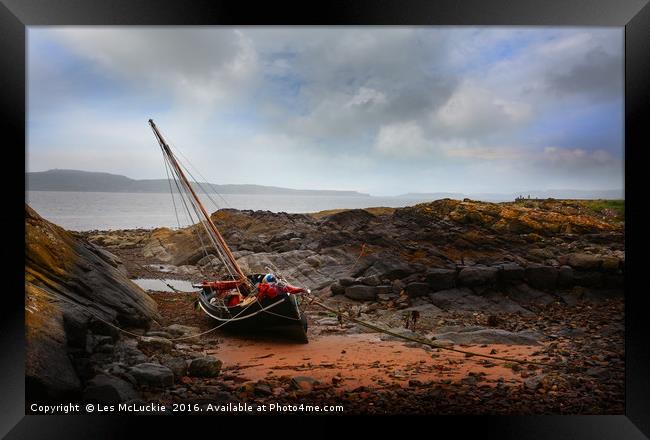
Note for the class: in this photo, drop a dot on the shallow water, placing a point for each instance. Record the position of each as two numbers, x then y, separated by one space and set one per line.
157 285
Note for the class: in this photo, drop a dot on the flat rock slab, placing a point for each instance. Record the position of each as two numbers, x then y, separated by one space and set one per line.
400 331
583 261
490 336
542 277
478 276
416 289
182 330
155 343
511 272
361 293
524 294
441 279
464 299
154 375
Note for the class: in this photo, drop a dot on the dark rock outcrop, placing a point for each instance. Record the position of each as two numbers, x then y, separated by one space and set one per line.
565 277
361 292
583 261
542 277
441 279
207 366
109 389
337 289
478 276
414 290
152 375
155 343
511 272
492 243
71 289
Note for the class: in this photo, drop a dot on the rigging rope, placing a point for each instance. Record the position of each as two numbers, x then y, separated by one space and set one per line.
171 191
190 220
201 176
184 194
96 315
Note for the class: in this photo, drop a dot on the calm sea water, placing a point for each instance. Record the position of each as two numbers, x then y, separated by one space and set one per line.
159 285
83 211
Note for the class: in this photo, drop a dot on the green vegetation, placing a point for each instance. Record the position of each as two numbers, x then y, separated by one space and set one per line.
374 211
607 208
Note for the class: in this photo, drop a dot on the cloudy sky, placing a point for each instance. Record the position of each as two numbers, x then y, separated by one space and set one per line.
384 110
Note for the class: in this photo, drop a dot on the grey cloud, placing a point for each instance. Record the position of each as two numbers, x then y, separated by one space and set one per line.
153 52
198 68
405 70
599 75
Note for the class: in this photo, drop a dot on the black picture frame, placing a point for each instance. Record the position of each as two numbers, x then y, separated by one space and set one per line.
634 15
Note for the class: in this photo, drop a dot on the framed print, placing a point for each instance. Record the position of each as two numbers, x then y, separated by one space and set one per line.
371 209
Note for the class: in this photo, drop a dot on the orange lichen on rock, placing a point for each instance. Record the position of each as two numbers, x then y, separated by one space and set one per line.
547 217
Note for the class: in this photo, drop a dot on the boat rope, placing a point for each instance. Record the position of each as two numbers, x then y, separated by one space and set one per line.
432 344
363 250
280 316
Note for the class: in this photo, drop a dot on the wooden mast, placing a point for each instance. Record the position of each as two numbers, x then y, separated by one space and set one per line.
211 226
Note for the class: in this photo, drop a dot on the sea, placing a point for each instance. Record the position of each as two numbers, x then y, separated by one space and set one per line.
86 211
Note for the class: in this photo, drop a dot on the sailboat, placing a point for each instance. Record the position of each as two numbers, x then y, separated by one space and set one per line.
254 302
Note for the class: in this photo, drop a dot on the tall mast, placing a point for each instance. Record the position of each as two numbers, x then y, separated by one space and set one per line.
212 229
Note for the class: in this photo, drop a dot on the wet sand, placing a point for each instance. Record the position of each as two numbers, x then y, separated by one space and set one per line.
352 361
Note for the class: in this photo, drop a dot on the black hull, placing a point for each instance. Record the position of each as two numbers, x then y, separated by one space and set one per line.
280 315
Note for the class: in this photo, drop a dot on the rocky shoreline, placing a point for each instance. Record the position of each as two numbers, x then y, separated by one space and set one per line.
544 277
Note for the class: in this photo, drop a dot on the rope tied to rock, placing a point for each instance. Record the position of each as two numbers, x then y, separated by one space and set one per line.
431 343
361 254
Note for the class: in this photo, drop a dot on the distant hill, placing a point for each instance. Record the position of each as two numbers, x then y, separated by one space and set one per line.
86 181
569 194
433 196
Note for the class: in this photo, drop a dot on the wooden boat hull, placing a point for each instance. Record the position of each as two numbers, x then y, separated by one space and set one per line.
280 315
